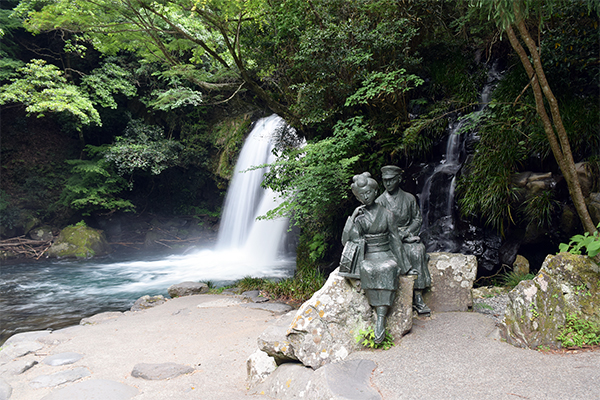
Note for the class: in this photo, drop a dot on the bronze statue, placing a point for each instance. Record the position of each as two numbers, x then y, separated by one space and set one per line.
373 251
408 219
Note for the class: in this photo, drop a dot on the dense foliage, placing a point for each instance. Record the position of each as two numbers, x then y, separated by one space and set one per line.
511 133
159 94
43 88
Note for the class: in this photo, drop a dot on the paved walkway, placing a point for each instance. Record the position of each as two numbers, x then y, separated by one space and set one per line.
460 356
448 356
215 340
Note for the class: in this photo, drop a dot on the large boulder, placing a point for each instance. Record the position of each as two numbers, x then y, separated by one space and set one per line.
536 312
452 277
325 328
79 242
41 233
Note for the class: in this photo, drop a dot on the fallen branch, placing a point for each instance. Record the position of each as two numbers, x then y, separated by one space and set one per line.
28 248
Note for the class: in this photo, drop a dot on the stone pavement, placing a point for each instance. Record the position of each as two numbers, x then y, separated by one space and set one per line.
209 337
459 355
196 347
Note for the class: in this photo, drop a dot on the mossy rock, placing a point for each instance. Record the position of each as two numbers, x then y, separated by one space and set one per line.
228 137
537 309
79 242
579 280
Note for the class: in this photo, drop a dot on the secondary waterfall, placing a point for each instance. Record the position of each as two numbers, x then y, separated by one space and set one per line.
246 200
437 195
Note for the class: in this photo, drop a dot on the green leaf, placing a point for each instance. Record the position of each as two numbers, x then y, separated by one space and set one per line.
43 88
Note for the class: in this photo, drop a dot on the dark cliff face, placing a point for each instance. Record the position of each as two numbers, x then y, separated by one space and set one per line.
33 153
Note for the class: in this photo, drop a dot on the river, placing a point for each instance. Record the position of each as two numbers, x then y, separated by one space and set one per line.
52 294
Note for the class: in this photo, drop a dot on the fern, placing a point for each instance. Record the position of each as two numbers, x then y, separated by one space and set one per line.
94 187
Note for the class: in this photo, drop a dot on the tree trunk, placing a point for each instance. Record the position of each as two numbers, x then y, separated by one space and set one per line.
553 128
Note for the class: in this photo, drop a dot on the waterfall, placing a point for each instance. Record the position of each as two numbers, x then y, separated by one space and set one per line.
41 295
437 195
240 229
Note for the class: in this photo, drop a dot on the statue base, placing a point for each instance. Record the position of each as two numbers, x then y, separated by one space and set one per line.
326 327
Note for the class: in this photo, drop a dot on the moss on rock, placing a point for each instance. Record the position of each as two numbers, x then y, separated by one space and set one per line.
228 137
579 279
79 242
536 310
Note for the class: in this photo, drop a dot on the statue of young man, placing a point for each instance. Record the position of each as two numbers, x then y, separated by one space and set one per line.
408 219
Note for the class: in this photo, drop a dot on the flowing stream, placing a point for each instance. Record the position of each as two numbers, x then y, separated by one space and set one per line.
437 198
58 293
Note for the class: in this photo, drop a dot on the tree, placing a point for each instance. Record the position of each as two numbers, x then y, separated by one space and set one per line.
9 62
195 41
512 16
43 88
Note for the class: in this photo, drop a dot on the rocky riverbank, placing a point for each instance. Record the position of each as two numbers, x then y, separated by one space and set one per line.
123 233
176 350
198 346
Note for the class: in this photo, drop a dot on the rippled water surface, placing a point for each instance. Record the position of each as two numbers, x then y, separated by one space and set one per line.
55 294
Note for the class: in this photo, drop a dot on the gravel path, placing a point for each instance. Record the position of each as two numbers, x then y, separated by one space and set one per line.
490 304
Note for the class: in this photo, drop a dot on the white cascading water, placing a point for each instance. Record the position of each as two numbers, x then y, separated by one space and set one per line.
246 201
438 209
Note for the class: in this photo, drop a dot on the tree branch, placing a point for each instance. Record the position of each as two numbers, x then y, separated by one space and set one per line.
189 37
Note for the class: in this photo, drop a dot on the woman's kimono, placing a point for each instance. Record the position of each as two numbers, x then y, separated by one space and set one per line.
378 255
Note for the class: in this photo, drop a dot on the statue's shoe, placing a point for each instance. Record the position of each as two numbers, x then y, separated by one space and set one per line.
419 305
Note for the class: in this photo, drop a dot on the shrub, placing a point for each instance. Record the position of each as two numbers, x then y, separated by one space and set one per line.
578 332
366 337
591 244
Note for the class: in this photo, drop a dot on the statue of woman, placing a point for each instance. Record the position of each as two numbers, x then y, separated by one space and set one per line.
373 226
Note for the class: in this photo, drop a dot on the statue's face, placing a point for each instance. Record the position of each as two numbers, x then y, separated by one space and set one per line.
366 195
391 184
